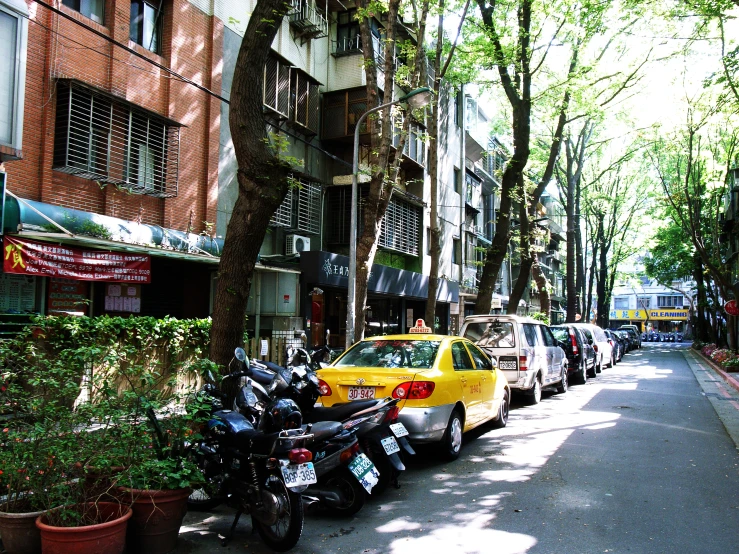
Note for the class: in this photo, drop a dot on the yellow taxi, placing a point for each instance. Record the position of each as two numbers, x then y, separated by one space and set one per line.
446 384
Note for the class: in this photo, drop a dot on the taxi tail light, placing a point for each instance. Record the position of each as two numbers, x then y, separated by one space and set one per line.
323 388
573 341
523 363
417 390
300 455
392 414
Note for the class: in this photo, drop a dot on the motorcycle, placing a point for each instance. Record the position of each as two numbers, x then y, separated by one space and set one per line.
258 470
381 436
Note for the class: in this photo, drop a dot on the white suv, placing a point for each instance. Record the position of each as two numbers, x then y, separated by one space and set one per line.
525 349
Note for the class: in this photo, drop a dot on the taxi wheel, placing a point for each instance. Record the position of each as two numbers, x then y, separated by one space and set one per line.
505 406
451 444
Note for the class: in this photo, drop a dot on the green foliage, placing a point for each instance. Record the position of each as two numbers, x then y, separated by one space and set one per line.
540 316
75 397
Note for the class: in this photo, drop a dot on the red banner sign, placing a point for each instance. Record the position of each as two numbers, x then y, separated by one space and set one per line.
44 259
731 308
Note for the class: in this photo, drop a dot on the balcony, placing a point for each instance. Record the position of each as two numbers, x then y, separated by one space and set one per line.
307 21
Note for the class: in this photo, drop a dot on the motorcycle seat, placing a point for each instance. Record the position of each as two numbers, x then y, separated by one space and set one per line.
262 376
338 412
323 430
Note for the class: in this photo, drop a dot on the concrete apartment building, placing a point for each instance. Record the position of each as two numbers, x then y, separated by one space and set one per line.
118 149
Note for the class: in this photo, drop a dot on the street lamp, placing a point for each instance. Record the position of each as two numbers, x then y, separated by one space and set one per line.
417 98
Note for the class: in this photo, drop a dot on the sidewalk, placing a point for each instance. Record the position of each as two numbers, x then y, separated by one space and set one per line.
721 388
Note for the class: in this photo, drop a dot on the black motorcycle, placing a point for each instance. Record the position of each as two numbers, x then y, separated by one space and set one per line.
259 470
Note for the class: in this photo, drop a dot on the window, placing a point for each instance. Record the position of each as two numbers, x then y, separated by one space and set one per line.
670 301
529 331
102 138
546 334
348 37
457 181
400 227
460 357
146 24
93 9
621 303
304 100
456 251
644 302
301 208
14 29
428 241
481 360
277 86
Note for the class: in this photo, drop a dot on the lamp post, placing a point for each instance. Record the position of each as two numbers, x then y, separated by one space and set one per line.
417 98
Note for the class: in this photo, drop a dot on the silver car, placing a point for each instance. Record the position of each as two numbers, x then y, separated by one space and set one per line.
525 349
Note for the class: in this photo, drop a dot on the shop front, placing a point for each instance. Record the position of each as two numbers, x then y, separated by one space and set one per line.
396 298
661 320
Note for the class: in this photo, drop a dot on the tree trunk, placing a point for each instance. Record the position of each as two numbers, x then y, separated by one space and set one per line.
262 182
542 283
700 325
602 307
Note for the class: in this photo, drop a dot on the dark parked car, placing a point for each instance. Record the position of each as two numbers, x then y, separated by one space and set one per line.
580 354
634 338
625 340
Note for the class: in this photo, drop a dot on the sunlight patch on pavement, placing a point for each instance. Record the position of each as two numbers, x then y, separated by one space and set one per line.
399 524
464 539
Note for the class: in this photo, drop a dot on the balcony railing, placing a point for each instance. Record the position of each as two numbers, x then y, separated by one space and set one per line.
308 20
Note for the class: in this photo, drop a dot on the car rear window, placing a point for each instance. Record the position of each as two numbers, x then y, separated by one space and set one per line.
419 354
495 334
560 333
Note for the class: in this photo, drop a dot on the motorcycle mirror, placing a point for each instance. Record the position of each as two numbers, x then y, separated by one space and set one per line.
240 354
303 337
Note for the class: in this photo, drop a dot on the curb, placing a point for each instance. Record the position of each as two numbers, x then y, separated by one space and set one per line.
728 377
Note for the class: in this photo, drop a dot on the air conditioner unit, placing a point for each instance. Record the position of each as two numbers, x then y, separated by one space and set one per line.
295 244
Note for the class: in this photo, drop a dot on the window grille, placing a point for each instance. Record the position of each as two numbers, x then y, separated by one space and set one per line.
101 138
644 302
305 101
277 86
400 227
301 208
669 301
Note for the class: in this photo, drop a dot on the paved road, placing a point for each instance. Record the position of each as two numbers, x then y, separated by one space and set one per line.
635 461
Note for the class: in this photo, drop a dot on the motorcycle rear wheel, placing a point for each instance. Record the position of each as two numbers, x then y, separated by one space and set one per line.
380 459
285 533
352 491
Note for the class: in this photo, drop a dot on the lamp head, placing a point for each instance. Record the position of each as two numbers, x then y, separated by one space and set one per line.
417 98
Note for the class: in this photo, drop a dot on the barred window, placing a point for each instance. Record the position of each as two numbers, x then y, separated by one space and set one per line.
277 86
304 101
400 227
301 208
101 138
669 301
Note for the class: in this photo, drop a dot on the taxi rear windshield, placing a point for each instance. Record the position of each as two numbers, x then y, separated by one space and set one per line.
419 354
496 334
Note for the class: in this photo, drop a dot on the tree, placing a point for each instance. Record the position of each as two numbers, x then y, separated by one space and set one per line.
263 181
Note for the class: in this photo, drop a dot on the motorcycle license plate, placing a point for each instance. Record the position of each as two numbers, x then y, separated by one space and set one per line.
299 474
399 430
390 445
365 472
361 393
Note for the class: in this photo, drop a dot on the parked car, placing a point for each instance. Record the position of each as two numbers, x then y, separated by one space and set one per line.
634 338
447 384
636 333
580 354
525 349
618 348
600 343
625 339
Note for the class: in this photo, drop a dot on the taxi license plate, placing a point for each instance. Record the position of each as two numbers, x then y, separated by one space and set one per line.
361 393
399 430
299 474
365 472
390 445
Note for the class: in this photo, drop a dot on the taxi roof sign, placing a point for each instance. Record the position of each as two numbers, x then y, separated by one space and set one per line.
420 327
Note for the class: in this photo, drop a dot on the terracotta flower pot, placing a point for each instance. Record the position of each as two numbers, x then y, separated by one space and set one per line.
157 518
19 533
108 536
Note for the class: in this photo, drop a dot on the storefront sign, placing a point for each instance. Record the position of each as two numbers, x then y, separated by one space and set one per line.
731 308
67 296
664 314
29 257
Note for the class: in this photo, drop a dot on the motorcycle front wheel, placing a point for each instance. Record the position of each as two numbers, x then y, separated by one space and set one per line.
285 532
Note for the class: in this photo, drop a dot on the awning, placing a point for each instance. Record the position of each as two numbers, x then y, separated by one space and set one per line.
46 222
